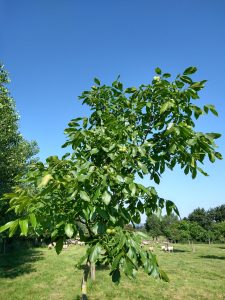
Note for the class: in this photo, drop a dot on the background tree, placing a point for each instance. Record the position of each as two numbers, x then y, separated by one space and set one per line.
201 216
217 214
197 232
131 132
15 152
153 226
219 231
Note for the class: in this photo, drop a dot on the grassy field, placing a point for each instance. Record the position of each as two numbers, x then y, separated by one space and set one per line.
40 274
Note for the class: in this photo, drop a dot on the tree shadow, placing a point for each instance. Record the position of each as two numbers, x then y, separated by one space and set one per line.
102 267
223 247
98 267
16 263
213 257
79 298
180 251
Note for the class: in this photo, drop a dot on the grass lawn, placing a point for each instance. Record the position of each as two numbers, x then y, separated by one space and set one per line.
40 274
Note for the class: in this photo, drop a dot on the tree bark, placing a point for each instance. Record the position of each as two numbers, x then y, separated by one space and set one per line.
84 281
192 246
92 271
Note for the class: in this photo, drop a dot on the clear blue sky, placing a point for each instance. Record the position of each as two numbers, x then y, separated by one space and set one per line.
53 49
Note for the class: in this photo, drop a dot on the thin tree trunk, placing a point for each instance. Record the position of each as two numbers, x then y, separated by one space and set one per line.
92 271
84 281
192 246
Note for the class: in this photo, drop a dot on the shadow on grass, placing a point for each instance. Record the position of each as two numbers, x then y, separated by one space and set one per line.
98 267
180 251
79 298
17 263
213 257
223 247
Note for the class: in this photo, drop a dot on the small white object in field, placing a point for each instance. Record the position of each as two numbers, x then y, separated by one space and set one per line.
170 248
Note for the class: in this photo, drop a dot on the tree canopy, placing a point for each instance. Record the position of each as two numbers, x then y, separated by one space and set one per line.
15 152
201 225
131 132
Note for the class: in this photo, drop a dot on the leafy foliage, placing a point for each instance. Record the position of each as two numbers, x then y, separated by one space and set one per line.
15 152
131 132
153 226
201 225
200 216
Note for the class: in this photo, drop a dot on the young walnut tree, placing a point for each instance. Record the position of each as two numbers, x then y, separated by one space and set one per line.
132 132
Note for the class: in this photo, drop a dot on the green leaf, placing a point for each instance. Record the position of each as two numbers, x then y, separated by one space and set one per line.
99 228
23 226
69 230
194 173
179 84
167 75
156 178
119 178
116 276
198 85
54 234
166 106
206 109
96 194
213 110
45 180
59 246
97 81
218 155
94 151
169 206
132 187
142 151
84 196
143 167
186 170
130 90
158 71
214 135
8 225
33 220
106 197
186 79
201 171
116 261
163 276
190 70
103 213
95 253
13 228
85 122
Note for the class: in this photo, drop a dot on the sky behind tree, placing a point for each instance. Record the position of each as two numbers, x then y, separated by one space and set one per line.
53 49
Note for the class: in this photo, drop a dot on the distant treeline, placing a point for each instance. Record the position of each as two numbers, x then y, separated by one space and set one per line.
201 226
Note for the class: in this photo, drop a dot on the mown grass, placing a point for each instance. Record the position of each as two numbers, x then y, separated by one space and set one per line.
41 274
